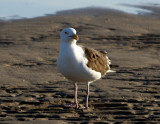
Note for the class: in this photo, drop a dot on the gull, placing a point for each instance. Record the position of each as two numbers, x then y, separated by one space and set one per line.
80 64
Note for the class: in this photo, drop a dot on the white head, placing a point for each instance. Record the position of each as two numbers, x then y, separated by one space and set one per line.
69 35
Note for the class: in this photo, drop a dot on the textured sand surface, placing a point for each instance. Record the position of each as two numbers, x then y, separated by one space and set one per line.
32 89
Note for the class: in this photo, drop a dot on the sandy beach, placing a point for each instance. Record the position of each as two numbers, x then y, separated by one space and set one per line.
33 91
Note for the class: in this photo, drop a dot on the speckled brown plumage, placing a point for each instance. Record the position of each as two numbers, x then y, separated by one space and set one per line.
97 60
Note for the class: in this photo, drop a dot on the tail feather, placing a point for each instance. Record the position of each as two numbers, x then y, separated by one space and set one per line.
111 71
108 63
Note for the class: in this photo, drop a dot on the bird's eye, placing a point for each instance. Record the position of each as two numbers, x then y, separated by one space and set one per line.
65 32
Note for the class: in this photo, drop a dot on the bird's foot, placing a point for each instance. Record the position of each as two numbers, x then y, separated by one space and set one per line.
81 107
72 105
76 106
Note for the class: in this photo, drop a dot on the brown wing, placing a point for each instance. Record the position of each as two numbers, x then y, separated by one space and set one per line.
97 60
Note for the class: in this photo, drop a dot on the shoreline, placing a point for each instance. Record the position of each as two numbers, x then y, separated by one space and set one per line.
95 11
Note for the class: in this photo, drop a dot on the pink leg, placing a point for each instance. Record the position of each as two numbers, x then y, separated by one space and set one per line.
75 104
87 97
75 94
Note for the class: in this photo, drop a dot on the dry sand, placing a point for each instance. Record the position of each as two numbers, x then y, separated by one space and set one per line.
32 89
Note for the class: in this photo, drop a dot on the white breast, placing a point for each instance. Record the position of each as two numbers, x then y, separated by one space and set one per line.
72 62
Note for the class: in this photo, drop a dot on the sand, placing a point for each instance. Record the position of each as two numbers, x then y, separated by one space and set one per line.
33 91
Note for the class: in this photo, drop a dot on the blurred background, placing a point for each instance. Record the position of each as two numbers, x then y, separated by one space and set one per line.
16 9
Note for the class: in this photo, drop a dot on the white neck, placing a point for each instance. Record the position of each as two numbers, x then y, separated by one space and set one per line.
69 43
67 46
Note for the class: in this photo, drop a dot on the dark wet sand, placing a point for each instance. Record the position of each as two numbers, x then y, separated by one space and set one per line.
32 89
